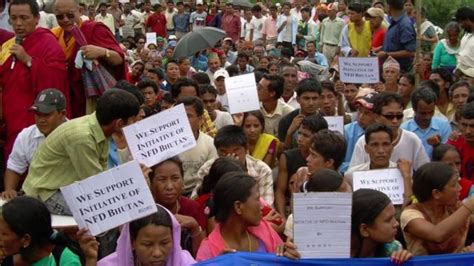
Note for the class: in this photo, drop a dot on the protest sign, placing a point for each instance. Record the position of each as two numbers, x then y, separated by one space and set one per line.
242 93
110 199
335 123
57 221
322 224
150 38
388 181
359 69
160 136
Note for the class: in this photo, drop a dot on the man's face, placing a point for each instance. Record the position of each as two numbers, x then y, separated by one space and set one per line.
310 48
291 78
187 91
46 123
423 113
365 117
102 9
375 22
309 102
328 102
229 9
233 151
180 8
214 64
354 16
466 25
127 7
170 7
315 161
286 10
391 75
273 12
68 12
209 101
147 7
259 51
195 120
242 62
460 96
22 20
150 97
467 129
264 93
392 115
405 88
248 15
379 149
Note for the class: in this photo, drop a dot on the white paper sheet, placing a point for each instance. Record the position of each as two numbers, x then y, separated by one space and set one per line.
388 181
242 93
322 224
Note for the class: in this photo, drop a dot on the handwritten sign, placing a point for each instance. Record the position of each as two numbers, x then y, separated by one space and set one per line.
335 123
388 181
322 224
160 136
150 38
110 199
242 93
359 69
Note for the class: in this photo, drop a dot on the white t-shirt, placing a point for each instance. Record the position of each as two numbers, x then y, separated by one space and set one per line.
198 19
257 24
245 29
223 100
223 119
409 148
194 158
26 143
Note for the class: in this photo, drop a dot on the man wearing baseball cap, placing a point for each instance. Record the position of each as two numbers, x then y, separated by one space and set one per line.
376 18
219 82
364 102
50 112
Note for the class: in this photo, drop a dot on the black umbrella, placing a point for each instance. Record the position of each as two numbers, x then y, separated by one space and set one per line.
241 3
198 40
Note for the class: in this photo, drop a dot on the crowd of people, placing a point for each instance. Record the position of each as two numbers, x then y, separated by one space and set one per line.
73 75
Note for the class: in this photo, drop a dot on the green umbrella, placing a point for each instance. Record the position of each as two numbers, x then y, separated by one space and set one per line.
198 40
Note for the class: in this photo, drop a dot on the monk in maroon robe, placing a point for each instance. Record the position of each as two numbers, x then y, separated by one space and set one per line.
101 46
29 63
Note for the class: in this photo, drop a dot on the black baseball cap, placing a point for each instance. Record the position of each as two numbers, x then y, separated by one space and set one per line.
48 101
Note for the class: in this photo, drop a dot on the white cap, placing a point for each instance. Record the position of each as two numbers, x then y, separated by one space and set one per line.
221 73
172 37
199 2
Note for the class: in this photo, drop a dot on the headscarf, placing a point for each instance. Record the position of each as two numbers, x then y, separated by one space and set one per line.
123 255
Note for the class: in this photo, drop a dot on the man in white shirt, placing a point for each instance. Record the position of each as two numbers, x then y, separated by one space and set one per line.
290 74
246 26
47 20
106 18
169 13
388 108
287 27
50 112
257 23
219 82
130 20
465 58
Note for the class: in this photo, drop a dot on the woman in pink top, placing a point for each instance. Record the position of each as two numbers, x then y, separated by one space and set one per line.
240 225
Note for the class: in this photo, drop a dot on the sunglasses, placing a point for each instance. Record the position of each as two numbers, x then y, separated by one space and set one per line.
391 117
68 15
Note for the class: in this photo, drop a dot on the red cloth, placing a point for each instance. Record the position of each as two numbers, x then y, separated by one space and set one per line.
132 80
467 157
231 25
377 38
466 185
5 36
96 34
214 244
22 84
191 208
157 23
209 19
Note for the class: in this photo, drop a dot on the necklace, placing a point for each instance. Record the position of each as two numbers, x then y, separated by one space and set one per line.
248 239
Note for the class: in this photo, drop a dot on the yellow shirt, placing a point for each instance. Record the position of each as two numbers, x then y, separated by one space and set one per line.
360 41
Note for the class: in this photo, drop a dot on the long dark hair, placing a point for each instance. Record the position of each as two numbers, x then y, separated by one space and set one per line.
161 217
220 167
29 216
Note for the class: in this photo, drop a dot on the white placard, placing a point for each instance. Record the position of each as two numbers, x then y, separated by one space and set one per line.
57 221
322 224
110 199
242 93
150 38
335 123
359 69
388 181
160 136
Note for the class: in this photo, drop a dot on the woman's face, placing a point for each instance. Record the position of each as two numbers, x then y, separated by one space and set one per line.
408 7
452 158
384 228
450 193
264 63
460 96
10 241
137 70
153 245
252 128
452 36
167 183
250 210
185 66
273 70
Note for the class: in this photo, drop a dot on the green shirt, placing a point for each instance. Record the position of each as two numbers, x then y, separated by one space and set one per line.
74 151
67 258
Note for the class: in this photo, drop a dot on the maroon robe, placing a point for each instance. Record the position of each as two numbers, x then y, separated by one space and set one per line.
98 34
21 84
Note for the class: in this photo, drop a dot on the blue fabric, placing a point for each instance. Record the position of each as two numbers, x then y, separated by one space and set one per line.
199 63
244 258
181 22
113 158
352 133
437 126
319 59
400 36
